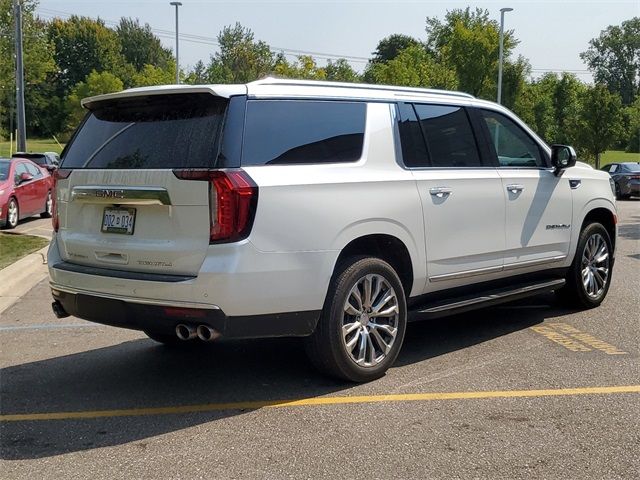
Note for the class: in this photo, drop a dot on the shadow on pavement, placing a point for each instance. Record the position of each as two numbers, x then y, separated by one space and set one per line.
142 374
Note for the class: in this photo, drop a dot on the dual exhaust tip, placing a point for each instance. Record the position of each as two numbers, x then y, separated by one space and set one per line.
203 332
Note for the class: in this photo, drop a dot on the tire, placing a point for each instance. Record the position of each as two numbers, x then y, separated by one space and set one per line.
166 339
13 214
618 193
48 206
593 261
356 354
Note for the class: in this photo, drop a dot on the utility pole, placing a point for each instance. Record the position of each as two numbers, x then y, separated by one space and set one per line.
177 4
22 134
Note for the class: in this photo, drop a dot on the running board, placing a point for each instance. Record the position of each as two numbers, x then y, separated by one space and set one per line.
484 299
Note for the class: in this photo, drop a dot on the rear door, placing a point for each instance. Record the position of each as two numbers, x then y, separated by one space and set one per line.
121 205
539 205
462 200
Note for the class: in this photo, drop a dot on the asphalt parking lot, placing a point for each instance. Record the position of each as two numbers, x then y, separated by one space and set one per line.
528 390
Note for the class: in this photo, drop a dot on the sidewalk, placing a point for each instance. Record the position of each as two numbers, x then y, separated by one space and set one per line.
20 277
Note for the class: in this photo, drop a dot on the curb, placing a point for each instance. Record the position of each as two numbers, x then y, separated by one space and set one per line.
20 277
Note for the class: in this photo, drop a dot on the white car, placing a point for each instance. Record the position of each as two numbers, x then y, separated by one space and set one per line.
322 210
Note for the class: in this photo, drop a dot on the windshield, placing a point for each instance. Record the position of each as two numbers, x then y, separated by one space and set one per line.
4 170
162 131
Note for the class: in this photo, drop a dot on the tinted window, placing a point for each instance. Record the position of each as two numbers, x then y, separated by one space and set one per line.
414 150
450 140
301 132
512 144
163 131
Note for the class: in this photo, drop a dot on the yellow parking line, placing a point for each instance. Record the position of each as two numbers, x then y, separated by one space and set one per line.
405 397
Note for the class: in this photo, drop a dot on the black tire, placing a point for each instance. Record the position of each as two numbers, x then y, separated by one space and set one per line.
166 339
8 224
327 346
575 293
618 193
48 206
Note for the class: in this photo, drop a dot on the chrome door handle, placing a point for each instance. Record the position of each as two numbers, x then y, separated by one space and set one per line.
440 192
515 188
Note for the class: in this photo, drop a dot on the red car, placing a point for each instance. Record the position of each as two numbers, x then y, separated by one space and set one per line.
25 190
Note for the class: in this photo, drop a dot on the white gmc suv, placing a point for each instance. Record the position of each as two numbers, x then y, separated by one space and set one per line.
330 211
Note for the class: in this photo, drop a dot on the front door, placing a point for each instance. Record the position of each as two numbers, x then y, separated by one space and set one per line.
538 203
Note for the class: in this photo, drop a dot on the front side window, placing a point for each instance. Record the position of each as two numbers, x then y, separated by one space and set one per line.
513 146
449 137
289 132
33 170
20 169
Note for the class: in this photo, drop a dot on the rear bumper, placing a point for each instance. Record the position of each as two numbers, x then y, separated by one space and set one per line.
163 319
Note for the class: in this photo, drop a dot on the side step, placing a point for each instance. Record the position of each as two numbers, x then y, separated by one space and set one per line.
488 298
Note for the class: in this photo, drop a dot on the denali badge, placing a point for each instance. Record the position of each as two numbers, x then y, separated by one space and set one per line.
558 226
110 193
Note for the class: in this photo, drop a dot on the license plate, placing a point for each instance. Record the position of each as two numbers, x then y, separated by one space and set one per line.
119 220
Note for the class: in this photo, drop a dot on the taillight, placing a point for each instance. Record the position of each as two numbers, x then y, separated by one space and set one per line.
635 177
59 174
233 198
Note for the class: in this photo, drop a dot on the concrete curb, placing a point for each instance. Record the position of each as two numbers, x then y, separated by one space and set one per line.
20 277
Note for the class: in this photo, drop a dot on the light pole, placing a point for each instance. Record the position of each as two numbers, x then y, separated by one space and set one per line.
502 12
21 140
177 4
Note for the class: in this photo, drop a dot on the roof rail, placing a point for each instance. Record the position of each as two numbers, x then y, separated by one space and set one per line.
359 86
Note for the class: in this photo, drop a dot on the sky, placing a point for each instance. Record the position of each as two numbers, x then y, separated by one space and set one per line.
552 33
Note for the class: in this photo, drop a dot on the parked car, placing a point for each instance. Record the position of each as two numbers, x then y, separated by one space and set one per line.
48 160
329 211
25 190
626 176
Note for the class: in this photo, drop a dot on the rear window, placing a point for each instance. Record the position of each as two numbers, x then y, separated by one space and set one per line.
159 131
631 167
286 132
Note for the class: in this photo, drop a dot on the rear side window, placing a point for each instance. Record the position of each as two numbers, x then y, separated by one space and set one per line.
156 131
631 167
450 139
286 132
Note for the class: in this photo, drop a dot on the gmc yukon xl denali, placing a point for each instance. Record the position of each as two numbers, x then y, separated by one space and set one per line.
334 212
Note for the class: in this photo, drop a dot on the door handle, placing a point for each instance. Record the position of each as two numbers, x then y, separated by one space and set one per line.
440 192
515 188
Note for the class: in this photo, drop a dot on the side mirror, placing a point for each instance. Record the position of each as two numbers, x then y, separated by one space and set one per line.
51 168
562 157
25 177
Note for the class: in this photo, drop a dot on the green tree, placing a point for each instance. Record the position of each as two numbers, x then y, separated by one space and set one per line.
139 45
566 106
96 83
631 117
304 68
390 47
413 67
152 75
599 121
240 58
81 46
514 76
197 76
38 56
468 42
341 71
614 59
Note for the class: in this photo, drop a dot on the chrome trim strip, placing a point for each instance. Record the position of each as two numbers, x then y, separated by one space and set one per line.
121 195
508 266
143 301
531 263
466 273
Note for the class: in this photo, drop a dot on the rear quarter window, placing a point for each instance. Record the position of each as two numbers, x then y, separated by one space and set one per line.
288 132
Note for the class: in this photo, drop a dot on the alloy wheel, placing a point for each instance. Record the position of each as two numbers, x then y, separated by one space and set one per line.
49 204
12 213
370 320
595 265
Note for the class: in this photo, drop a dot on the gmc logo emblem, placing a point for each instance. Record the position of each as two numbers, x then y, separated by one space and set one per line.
110 193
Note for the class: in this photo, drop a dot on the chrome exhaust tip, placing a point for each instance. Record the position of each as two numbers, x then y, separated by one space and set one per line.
186 332
207 334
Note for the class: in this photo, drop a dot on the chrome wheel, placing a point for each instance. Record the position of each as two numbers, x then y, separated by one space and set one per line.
595 266
12 213
370 320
